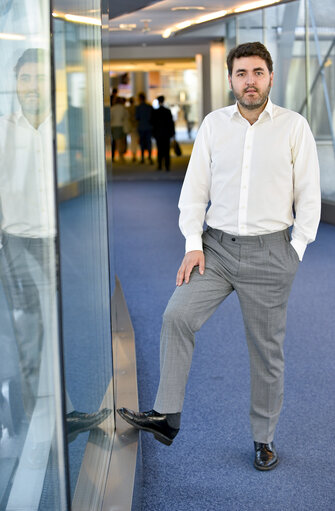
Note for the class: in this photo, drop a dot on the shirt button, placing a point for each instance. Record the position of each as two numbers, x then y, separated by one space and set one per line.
233 239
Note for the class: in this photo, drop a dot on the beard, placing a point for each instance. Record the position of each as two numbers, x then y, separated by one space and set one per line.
252 102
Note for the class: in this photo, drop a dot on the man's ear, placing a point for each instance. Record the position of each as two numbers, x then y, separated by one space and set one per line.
271 79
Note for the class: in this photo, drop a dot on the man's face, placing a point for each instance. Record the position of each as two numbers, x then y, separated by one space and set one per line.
250 82
33 88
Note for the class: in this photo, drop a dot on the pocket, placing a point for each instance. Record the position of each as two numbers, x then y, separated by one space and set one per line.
295 253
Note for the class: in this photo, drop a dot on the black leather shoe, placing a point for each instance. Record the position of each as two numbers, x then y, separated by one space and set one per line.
266 457
151 421
78 422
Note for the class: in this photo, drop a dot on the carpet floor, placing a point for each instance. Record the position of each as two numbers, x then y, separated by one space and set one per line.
209 466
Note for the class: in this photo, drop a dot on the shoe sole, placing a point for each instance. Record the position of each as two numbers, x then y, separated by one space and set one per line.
158 436
264 469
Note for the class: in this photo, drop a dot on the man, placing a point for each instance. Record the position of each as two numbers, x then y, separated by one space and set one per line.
163 131
119 124
144 113
27 228
253 161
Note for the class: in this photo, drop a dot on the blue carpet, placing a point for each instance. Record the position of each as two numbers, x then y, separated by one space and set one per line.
209 466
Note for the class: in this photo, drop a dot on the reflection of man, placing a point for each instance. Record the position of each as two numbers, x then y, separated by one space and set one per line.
163 131
28 224
253 161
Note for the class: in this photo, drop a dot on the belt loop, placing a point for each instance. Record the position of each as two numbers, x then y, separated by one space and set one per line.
261 241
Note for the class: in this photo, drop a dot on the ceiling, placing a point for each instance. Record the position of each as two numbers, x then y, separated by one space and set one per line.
144 26
116 9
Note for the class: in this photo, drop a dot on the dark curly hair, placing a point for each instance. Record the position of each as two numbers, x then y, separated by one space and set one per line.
255 49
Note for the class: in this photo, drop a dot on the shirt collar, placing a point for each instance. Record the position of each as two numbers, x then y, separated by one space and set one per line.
20 118
268 110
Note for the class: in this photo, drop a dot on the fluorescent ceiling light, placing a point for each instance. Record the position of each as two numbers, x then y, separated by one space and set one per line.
82 19
211 16
215 15
188 23
166 34
188 8
184 24
12 37
77 19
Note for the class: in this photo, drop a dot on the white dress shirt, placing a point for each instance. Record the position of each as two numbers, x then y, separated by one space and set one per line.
252 175
27 206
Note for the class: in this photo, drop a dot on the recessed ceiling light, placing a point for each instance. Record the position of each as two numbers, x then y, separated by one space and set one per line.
122 26
188 8
127 26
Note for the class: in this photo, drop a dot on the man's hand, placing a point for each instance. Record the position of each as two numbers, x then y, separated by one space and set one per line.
191 259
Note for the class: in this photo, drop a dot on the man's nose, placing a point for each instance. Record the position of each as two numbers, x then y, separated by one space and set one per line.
250 79
32 84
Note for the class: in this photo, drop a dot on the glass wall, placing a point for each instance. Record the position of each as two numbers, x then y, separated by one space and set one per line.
300 36
56 377
83 232
32 459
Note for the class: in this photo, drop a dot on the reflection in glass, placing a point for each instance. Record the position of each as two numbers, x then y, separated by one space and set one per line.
83 233
30 392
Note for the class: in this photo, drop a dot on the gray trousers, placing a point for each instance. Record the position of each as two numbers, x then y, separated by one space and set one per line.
261 270
25 268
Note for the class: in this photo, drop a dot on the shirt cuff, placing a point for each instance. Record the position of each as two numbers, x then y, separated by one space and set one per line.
193 242
299 247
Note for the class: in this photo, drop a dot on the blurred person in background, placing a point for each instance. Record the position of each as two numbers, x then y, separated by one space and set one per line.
163 131
144 115
119 123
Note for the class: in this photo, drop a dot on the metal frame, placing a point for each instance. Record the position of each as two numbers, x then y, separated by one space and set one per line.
111 466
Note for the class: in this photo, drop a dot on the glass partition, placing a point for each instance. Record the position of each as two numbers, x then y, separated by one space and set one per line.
85 283
322 89
54 267
300 37
32 460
